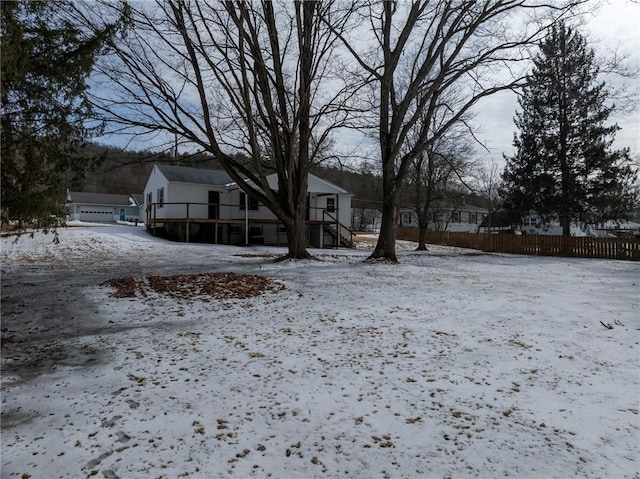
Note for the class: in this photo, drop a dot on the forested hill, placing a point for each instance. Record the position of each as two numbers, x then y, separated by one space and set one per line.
126 172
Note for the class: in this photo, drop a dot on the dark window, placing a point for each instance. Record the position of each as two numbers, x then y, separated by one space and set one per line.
331 205
455 217
214 205
150 197
160 197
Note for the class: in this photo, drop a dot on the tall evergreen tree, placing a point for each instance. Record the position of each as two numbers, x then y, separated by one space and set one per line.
564 167
45 64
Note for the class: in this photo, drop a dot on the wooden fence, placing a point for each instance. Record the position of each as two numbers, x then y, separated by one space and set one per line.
543 245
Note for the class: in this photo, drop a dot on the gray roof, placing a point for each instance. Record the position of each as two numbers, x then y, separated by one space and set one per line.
99 199
138 198
186 174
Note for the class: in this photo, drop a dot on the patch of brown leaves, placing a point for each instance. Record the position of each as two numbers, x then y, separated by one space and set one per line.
220 286
125 287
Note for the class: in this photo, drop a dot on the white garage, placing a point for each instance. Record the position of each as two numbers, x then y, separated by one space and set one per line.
102 207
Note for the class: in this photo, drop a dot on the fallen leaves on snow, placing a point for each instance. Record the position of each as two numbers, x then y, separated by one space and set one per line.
220 286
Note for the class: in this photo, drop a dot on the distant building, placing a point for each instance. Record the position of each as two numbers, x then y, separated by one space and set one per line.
446 217
103 208
532 224
618 228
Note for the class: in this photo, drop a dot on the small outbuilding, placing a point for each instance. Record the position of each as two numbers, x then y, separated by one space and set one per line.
103 207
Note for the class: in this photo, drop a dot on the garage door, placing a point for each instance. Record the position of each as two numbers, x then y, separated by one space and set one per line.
96 213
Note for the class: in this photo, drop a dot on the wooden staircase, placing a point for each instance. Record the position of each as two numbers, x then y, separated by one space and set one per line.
342 236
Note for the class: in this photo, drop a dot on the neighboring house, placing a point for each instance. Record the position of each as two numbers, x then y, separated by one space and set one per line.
102 207
446 217
532 225
618 228
195 204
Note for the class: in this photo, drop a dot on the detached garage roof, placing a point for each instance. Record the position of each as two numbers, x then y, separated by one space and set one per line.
99 199
184 174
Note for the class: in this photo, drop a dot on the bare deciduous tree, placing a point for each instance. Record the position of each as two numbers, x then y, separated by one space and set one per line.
487 184
232 77
422 51
436 173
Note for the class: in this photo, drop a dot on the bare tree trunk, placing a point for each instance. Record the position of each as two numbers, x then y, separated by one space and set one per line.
426 51
247 77
423 208
422 238
565 221
297 236
386 245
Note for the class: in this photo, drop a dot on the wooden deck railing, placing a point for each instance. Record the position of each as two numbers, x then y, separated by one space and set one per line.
341 230
189 213
543 245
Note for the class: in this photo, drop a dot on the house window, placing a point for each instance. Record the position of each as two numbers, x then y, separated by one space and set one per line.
160 197
150 197
406 218
331 205
235 229
455 217
473 218
253 202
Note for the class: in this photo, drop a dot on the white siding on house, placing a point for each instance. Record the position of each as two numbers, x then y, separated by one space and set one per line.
462 219
197 194
154 183
193 189
532 225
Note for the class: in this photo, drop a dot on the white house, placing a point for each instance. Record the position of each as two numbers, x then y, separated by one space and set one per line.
197 204
533 225
443 217
102 207
618 228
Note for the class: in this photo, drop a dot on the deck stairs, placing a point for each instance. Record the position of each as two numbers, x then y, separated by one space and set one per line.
339 238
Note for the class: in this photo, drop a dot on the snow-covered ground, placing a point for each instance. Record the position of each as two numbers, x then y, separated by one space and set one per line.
449 364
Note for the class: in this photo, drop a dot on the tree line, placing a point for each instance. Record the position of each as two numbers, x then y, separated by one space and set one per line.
263 87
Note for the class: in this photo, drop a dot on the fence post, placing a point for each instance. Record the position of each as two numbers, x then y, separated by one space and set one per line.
186 233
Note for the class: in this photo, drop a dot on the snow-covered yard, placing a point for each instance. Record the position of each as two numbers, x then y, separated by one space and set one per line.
450 364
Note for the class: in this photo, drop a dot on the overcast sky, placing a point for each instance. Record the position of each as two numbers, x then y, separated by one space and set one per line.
616 25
